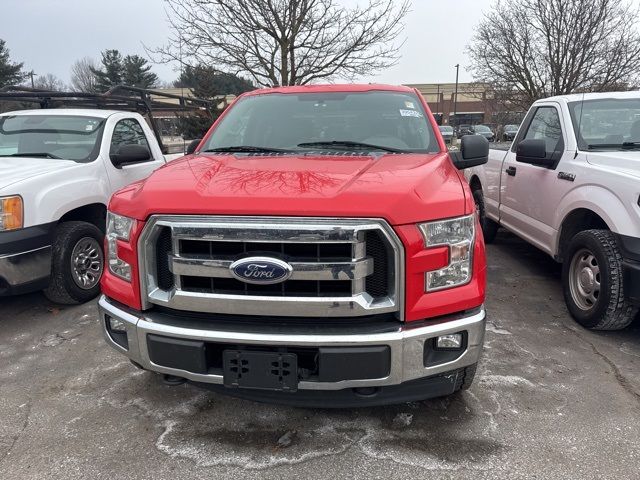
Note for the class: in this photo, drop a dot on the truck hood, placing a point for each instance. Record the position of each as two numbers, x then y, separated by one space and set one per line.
400 188
626 162
18 169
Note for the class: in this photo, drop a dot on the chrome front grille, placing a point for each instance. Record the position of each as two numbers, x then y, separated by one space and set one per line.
341 268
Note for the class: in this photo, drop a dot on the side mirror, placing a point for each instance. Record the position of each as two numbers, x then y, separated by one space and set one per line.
128 154
192 146
474 151
533 152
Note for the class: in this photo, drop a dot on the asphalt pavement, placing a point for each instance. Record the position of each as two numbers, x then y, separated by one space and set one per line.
551 400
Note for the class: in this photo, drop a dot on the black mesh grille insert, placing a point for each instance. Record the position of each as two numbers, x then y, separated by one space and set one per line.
377 284
338 252
163 249
290 288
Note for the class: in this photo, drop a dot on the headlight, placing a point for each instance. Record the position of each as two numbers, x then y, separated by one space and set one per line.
458 234
118 228
11 213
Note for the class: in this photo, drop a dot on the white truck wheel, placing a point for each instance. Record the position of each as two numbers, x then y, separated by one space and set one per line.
592 281
77 263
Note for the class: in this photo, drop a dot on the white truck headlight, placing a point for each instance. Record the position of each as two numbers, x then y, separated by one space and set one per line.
11 213
459 235
118 228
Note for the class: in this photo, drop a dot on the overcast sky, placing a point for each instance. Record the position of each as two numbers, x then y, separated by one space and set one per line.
49 35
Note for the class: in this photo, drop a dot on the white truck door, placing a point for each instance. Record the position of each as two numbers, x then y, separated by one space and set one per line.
530 194
130 131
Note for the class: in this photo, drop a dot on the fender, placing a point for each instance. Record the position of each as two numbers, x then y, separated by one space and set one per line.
595 198
59 195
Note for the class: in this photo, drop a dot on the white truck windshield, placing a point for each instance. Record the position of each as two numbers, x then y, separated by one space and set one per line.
607 123
66 137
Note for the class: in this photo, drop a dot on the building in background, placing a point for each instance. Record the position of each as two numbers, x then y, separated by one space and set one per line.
476 104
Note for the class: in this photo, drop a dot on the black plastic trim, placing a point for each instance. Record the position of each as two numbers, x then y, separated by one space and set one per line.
26 239
415 390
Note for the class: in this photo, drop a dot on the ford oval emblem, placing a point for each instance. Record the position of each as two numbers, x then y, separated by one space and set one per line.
261 270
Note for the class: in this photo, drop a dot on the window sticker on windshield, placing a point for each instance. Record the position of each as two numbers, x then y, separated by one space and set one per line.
409 105
88 128
410 113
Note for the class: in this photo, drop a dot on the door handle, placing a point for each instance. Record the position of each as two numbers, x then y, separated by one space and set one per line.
511 171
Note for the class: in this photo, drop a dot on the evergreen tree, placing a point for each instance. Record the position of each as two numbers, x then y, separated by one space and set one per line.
136 72
10 73
111 72
208 83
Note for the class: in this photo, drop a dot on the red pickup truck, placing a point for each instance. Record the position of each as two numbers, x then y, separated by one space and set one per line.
319 246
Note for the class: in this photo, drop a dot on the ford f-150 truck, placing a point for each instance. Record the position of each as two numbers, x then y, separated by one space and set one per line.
570 185
319 247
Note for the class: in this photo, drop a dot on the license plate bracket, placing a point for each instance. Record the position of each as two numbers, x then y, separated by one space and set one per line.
260 370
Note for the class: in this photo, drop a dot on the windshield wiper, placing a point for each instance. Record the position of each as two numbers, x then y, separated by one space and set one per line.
34 154
248 149
623 145
350 144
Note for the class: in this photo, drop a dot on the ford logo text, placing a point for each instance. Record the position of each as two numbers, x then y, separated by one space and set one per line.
261 270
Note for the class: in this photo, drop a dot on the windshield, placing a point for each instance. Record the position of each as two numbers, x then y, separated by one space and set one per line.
606 123
394 121
511 128
446 129
50 136
482 128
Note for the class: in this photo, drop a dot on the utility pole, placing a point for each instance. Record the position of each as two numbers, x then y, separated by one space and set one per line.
32 74
455 96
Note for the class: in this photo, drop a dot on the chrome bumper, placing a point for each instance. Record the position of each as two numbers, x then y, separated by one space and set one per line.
21 268
406 344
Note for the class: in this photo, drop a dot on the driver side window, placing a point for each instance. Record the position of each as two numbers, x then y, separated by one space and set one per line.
128 132
545 125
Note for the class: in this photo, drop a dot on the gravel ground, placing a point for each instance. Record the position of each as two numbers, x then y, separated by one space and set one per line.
552 400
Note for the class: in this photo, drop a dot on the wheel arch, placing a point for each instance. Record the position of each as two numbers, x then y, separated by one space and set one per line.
574 222
94 213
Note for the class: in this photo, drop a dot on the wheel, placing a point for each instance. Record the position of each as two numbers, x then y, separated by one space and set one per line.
592 282
465 379
77 262
489 227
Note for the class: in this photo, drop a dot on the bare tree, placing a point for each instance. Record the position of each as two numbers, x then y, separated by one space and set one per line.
531 49
284 42
82 77
49 82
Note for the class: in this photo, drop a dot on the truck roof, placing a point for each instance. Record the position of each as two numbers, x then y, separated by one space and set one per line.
81 112
324 88
578 97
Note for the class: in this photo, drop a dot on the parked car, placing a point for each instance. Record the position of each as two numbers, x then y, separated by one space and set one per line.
570 188
484 131
509 132
447 133
58 169
330 257
463 130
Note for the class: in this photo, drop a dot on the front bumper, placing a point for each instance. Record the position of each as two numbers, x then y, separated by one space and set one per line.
25 271
25 259
406 344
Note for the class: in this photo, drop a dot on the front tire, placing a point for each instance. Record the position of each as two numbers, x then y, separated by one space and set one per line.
592 282
77 263
489 227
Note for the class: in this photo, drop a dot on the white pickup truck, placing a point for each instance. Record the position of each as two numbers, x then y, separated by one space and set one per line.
58 169
570 185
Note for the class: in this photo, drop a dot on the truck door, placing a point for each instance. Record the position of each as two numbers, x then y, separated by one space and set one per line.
129 131
530 193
